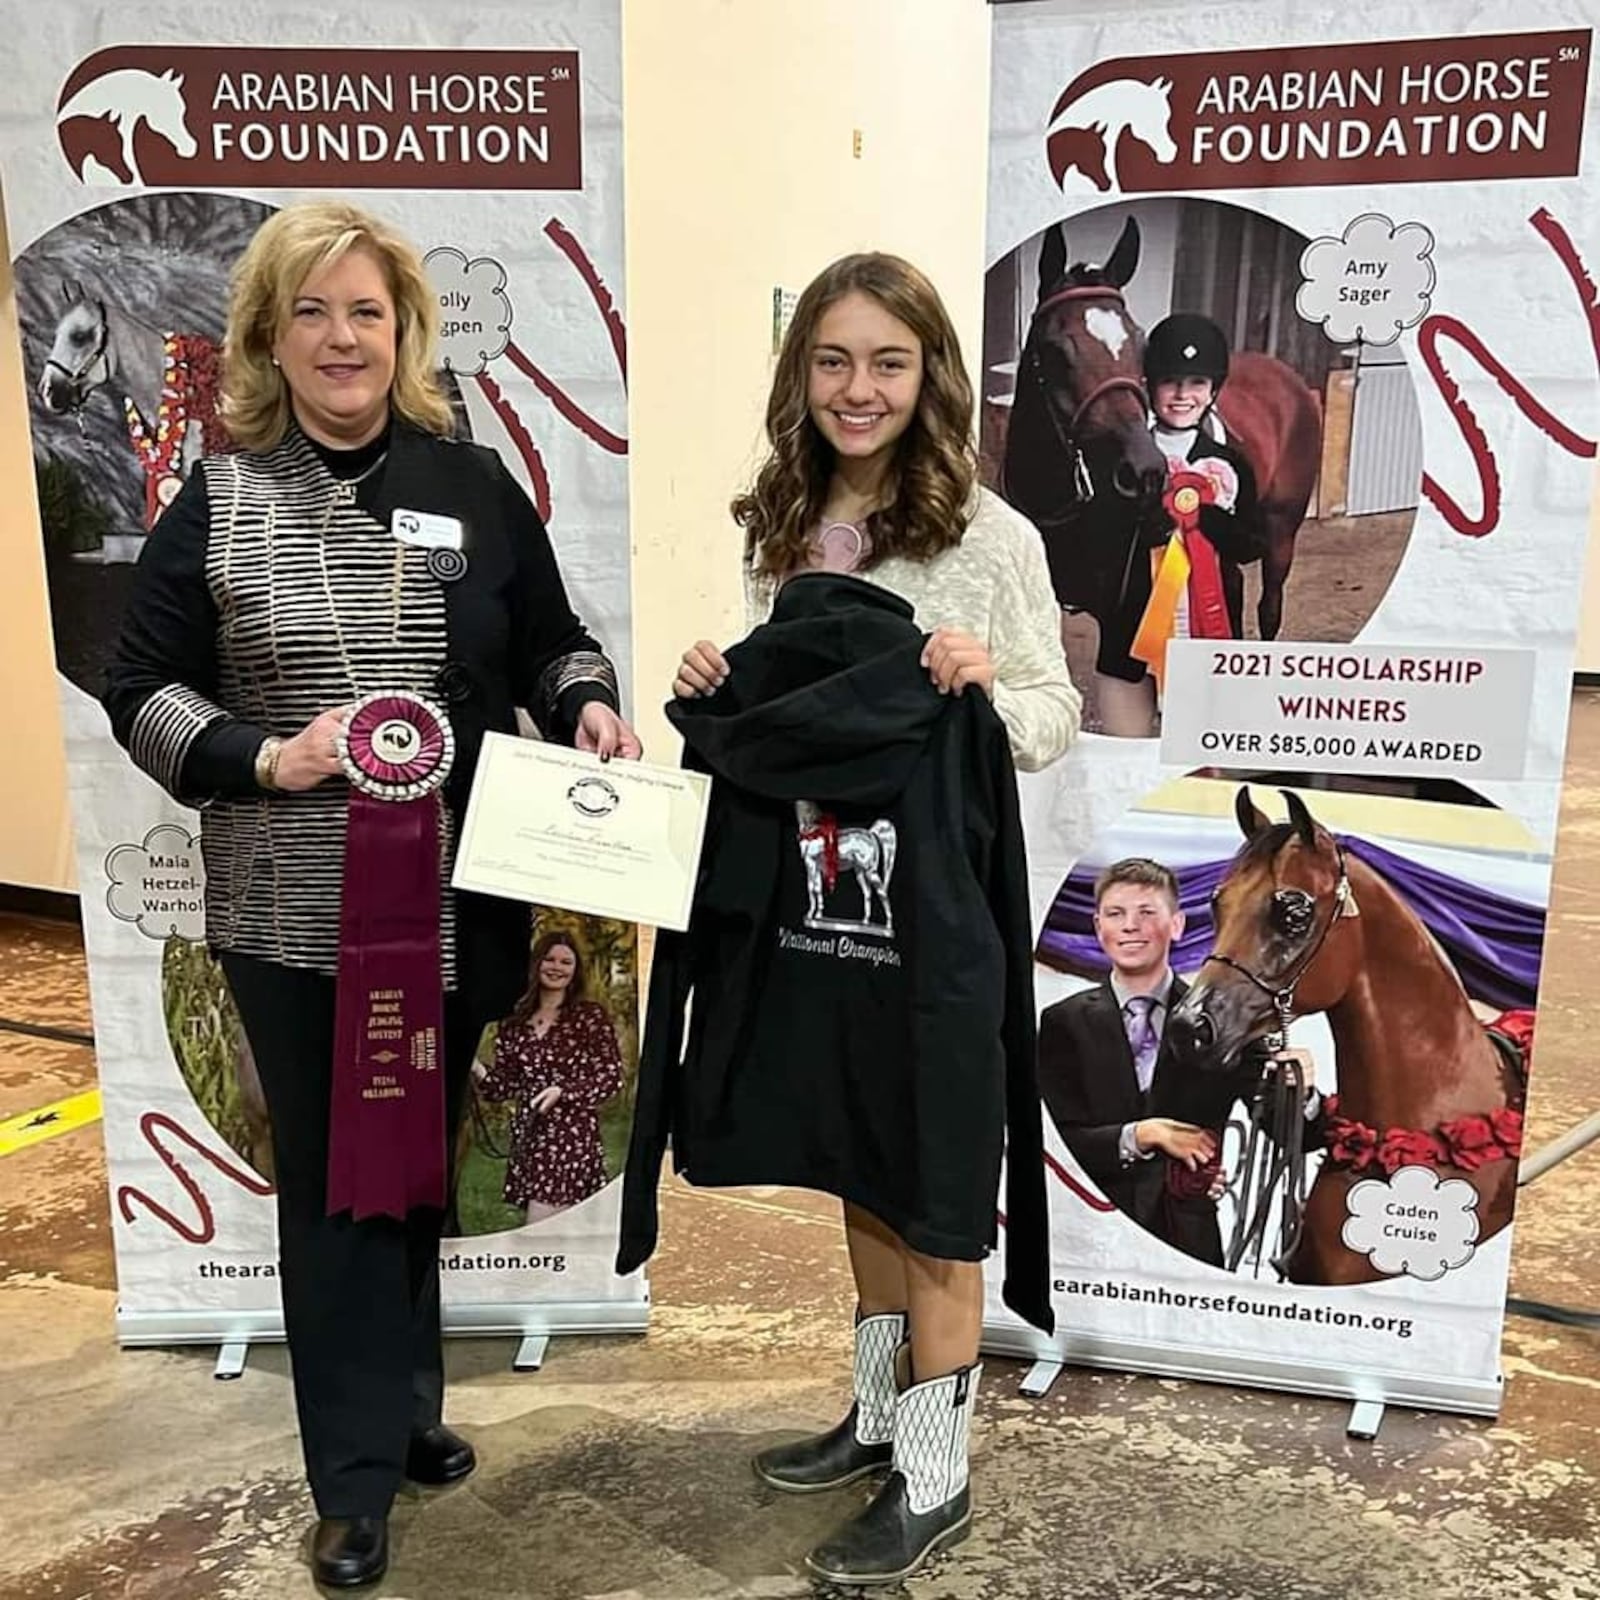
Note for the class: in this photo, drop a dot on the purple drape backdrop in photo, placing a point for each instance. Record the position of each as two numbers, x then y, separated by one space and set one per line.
1493 941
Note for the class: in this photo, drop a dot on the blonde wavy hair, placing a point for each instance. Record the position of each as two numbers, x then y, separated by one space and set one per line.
929 492
287 248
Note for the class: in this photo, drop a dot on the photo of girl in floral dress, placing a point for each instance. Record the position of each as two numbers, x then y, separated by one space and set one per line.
556 1060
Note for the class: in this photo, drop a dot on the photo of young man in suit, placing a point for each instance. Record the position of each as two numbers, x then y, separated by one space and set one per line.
1146 1129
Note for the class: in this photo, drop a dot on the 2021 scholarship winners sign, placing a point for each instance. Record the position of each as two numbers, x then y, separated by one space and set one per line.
1323 606
135 174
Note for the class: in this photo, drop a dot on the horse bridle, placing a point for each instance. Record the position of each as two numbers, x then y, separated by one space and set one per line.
1273 1157
79 389
1067 436
1282 994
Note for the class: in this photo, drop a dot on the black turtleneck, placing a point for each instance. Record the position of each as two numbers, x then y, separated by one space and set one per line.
364 462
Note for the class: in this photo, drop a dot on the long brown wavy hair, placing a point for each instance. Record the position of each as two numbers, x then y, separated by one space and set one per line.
935 467
576 990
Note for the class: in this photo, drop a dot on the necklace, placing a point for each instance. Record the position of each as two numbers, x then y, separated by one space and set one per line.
344 496
839 546
344 489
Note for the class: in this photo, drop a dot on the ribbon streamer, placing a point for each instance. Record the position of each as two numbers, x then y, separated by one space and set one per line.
1186 493
386 1136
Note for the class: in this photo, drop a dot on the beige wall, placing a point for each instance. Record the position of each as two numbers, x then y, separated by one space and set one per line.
741 176
1588 656
35 834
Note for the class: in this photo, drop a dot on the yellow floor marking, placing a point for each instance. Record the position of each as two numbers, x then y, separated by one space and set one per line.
34 1127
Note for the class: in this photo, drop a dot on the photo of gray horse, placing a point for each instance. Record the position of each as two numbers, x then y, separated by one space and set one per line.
117 306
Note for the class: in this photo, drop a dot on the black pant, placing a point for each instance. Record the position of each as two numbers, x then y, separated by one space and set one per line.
360 1299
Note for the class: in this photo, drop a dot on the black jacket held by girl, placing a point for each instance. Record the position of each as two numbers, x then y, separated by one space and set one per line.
859 959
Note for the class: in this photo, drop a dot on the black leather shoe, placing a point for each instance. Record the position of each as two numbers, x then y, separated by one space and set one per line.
889 1541
436 1455
825 1461
350 1551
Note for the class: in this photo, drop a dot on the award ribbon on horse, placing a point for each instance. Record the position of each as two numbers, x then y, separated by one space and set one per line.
386 1137
1187 564
188 400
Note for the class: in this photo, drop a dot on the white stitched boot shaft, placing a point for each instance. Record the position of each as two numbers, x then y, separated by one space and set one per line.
877 1340
932 1428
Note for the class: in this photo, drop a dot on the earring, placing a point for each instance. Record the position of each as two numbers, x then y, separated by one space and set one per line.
276 362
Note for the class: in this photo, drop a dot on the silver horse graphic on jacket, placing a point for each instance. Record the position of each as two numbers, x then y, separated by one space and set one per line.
827 850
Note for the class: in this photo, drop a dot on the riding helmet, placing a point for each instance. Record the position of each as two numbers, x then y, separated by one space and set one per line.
1186 345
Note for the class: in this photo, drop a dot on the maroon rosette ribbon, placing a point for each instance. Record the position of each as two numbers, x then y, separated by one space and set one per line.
386 1134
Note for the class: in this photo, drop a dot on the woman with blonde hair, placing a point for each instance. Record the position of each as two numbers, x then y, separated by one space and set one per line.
872 472
323 627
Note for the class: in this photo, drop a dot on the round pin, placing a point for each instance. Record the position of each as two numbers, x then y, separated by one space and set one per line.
454 683
447 565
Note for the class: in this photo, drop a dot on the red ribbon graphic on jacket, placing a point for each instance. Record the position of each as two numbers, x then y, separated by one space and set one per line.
386 1135
825 828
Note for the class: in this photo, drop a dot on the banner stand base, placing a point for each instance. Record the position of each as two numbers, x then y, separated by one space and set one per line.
236 1331
1037 1380
1366 1417
231 1359
1364 1387
530 1353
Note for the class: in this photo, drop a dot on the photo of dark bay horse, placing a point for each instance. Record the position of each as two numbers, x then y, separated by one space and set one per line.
1331 434
1074 461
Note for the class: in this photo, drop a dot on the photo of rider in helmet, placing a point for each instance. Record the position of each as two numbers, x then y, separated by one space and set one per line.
1185 367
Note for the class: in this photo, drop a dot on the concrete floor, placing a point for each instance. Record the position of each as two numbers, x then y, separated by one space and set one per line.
619 1472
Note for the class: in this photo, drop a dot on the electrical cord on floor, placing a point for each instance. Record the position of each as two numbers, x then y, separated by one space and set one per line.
35 1030
1549 1313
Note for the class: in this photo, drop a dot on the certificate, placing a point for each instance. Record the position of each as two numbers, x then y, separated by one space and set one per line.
562 828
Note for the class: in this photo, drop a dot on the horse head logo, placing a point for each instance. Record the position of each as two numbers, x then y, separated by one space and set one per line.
99 124
1086 129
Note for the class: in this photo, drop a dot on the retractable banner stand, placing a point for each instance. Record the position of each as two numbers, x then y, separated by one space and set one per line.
138 162
1319 573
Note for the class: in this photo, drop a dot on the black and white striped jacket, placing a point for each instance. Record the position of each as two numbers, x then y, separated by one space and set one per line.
267 595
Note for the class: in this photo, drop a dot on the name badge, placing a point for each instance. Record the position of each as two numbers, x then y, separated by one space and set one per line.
426 529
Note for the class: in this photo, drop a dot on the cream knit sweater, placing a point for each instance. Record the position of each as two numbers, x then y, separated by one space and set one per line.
996 586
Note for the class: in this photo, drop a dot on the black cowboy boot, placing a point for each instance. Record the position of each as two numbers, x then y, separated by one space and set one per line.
925 1505
863 1442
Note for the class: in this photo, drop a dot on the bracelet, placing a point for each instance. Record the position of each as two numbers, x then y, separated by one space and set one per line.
267 763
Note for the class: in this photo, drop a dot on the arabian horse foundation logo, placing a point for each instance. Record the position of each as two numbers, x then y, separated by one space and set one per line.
1087 126
1464 108
827 850
205 116
106 123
